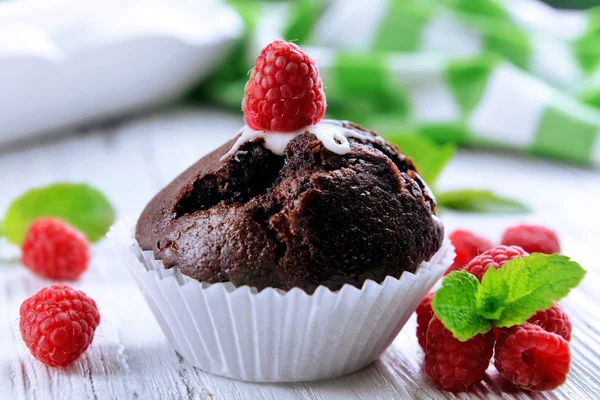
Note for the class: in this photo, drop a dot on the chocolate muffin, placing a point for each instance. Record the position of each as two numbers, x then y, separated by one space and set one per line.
306 218
296 203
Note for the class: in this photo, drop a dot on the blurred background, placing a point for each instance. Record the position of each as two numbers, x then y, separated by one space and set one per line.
497 101
122 93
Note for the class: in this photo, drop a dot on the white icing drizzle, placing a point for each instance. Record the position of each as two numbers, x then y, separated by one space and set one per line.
331 133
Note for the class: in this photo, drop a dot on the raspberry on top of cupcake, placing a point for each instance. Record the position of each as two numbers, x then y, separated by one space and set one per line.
284 92
294 200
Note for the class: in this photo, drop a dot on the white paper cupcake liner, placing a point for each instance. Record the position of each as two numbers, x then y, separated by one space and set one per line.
272 335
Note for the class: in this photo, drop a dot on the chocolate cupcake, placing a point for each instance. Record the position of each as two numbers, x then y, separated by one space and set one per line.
306 218
298 239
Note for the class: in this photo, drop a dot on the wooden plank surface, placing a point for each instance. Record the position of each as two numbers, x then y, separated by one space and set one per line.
130 357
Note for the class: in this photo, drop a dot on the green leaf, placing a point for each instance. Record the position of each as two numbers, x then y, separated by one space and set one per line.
480 201
429 157
492 294
80 205
534 284
455 305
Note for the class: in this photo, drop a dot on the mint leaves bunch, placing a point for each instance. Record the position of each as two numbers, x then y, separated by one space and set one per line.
505 297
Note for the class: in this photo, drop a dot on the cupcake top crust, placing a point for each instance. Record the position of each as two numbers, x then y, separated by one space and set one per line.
293 201
306 218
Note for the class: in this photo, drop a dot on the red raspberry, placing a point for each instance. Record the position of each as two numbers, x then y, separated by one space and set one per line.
424 315
58 324
453 365
284 92
55 250
554 320
532 239
532 358
467 245
496 257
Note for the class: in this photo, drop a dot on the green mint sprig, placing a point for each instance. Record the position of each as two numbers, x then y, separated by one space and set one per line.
78 204
431 159
505 297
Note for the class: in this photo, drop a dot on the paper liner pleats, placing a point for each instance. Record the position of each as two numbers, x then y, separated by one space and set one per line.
272 335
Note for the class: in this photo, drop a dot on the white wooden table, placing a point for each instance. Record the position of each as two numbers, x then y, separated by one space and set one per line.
130 357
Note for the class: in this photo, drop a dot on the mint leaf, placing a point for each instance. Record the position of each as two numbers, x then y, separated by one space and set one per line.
429 157
533 282
492 294
507 296
80 205
455 305
480 201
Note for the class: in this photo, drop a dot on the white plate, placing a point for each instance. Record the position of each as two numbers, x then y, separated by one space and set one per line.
65 62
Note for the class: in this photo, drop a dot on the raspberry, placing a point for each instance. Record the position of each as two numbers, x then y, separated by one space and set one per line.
284 92
467 245
532 239
424 315
55 250
58 324
495 257
554 320
532 358
453 365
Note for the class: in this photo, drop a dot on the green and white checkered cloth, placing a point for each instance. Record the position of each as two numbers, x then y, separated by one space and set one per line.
494 73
